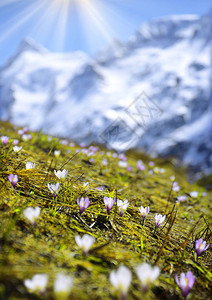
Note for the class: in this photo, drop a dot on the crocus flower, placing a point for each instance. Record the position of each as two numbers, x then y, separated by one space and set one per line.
20 131
13 179
61 174
100 188
25 129
159 219
91 153
156 169
4 139
122 157
37 283
185 283
175 187
64 142
129 168
181 198
83 204
26 137
17 149
92 160
85 242
144 212
172 178
147 274
85 151
104 162
123 164
94 148
15 142
200 246
109 203
32 214
122 206
140 165
57 153
62 286
54 188
204 194
194 194
121 280
30 165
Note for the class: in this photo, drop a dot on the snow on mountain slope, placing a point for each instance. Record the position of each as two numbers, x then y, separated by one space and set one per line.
167 62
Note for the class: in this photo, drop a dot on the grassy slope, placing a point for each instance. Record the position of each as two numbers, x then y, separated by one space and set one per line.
50 246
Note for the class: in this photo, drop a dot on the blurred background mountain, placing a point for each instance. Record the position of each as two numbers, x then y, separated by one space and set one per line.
155 89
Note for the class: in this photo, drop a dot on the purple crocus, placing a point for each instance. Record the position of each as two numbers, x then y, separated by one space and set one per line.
4 139
122 206
83 204
200 246
140 165
104 161
159 219
144 212
13 179
181 198
109 203
175 187
185 283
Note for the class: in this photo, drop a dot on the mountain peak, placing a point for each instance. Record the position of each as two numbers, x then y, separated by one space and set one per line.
29 44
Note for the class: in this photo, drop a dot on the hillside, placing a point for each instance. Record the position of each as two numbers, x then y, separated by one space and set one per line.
49 246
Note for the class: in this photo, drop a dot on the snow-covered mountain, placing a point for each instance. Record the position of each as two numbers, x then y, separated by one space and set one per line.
151 92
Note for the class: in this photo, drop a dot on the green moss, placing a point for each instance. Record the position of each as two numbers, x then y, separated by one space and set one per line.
49 247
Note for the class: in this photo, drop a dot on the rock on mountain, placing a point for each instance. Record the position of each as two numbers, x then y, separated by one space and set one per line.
151 92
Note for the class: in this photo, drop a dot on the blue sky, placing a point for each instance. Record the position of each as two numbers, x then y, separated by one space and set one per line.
87 25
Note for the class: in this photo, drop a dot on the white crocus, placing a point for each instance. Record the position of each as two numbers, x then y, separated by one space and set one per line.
30 165
62 286
57 153
85 242
122 206
123 164
37 283
61 174
121 280
32 214
144 211
54 188
159 219
194 194
17 149
147 274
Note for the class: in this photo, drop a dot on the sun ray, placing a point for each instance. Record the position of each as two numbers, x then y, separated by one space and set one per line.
8 2
62 25
89 10
46 22
22 21
22 11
